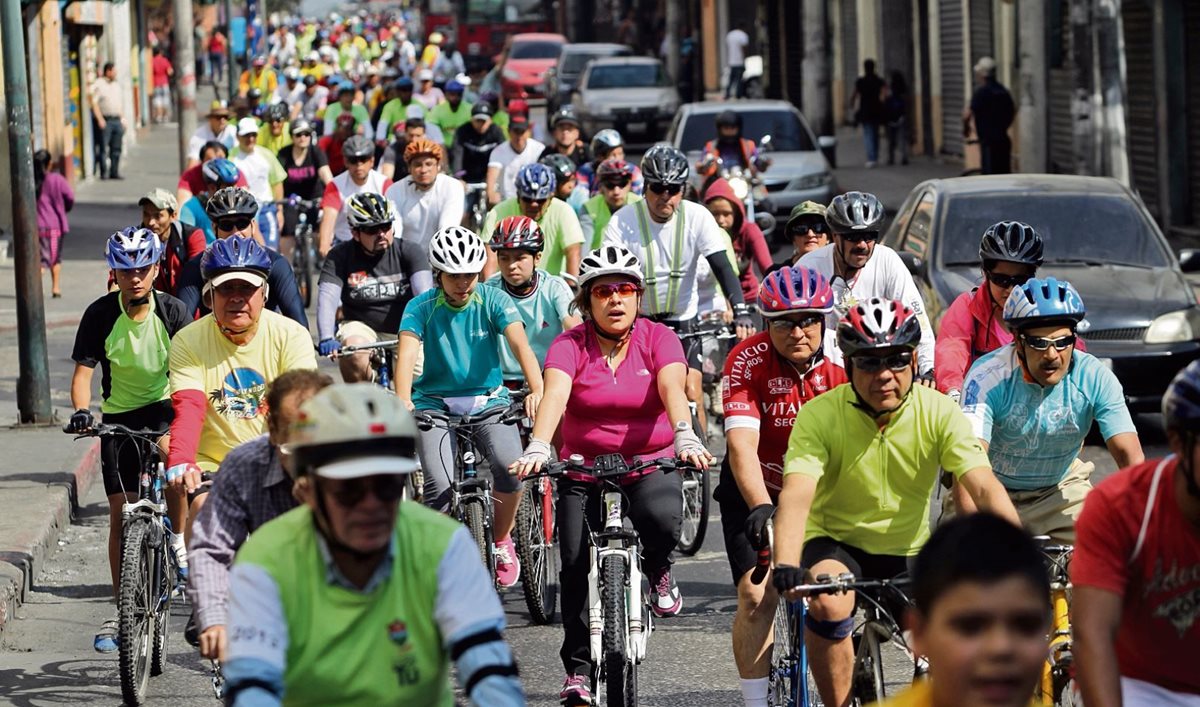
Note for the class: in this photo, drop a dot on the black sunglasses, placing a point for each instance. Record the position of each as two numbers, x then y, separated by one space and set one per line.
800 229
388 488
861 236
615 183
376 229
874 364
1007 281
790 323
234 224
530 201
358 160
669 189
1042 343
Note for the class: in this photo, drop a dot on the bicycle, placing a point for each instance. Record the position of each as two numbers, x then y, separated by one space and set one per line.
1057 685
789 682
382 359
536 537
148 569
477 198
305 260
619 621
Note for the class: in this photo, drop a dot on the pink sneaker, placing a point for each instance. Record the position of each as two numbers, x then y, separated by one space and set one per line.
575 692
508 567
665 599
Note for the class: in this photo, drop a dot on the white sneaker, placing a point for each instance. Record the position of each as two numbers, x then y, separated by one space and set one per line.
181 559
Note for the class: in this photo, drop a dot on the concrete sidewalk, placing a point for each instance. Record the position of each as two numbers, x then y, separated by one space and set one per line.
890 183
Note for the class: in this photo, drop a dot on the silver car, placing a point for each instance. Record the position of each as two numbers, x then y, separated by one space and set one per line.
631 94
798 172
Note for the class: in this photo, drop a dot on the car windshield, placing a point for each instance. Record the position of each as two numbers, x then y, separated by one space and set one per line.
786 131
627 76
1077 228
535 50
574 63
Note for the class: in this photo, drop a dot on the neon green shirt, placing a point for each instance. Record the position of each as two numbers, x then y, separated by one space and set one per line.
137 354
395 112
597 208
560 227
873 485
449 119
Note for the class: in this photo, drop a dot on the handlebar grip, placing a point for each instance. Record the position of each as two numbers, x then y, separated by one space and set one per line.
761 567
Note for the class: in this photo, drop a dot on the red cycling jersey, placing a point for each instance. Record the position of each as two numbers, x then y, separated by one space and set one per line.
763 391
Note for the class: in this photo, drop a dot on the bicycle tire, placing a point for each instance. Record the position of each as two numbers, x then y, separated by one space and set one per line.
781 686
473 518
867 687
303 265
135 611
614 578
168 572
1064 688
538 553
696 500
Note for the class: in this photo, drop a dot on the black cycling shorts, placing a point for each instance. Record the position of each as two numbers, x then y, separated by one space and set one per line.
742 556
862 564
121 459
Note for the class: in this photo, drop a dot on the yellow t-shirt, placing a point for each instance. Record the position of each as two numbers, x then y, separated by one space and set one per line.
919 695
234 378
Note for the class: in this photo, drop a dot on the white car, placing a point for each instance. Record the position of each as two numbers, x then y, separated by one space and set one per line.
631 94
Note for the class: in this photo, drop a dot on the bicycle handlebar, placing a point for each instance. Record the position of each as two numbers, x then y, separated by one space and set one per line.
112 429
365 347
609 466
717 334
306 204
428 419
847 582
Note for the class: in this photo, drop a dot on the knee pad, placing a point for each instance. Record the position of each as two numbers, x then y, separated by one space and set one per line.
830 630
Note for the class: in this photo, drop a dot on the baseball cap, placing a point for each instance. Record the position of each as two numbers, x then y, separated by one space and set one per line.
310 80
404 84
247 126
985 65
244 275
161 199
218 109
518 121
424 75
806 210
291 73
481 110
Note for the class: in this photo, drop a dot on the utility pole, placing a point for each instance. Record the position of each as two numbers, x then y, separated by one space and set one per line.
1031 114
185 76
33 382
815 97
671 41
229 69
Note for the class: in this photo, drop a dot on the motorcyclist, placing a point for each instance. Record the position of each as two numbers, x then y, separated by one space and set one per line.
730 149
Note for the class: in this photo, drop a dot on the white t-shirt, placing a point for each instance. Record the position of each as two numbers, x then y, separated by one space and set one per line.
203 134
509 162
735 47
343 187
425 212
702 237
257 168
883 276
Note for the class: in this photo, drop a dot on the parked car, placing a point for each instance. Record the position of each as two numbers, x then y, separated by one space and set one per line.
529 56
563 77
1142 316
798 172
631 94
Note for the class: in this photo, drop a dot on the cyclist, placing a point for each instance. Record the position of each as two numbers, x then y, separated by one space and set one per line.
333 145
1010 253
749 244
607 145
560 228
369 279
615 178
507 159
264 177
426 200
566 185
313 100
1032 403
346 94
275 135
861 464
767 379
308 172
258 77
359 154
232 212
616 383
452 113
216 174
355 597
461 325
396 111
473 145
191 182
128 333
859 268
543 300
565 127
252 488
158 216
391 162
807 230
730 149
1135 574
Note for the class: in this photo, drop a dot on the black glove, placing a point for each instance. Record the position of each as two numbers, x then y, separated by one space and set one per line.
81 421
923 378
742 317
786 577
755 526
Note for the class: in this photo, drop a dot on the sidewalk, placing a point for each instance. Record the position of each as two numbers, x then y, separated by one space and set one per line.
891 184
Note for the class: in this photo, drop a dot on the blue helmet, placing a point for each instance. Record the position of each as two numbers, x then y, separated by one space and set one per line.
133 248
1181 402
453 86
1043 301
236 253
535 181
221 171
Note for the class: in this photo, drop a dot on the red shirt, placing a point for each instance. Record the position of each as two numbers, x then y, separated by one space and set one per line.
763 391
1153 563
193 180
160 70
332 147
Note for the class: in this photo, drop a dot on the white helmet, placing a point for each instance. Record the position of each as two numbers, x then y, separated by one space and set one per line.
609 260
457 250
350 430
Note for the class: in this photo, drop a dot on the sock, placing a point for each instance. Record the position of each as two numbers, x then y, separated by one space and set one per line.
754 692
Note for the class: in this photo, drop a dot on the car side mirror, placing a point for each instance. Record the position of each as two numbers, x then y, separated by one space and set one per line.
914 263
1189 260
828 146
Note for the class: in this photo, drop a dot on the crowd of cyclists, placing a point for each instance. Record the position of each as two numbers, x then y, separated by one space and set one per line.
843 410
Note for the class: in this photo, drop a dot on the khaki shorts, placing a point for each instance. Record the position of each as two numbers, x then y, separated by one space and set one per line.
1050 511
355 329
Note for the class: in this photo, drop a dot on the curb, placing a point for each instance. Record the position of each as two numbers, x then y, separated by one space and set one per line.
51 324
21 557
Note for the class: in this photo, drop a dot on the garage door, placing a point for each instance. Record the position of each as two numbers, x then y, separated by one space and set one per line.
950 27
1138 21
1192 29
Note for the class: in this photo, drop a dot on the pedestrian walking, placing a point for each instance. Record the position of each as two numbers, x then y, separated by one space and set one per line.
867 102
110 122
895 112
217 47
736 42
161 72
992 110
54 200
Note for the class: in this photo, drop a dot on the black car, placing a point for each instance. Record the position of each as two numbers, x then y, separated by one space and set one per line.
1142 319
562 78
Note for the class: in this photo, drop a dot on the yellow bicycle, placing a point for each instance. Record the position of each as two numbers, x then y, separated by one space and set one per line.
1057 686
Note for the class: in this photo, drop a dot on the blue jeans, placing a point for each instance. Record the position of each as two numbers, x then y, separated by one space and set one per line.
734 87
112 138
871 140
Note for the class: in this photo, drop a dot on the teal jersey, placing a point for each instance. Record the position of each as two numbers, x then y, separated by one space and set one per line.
543 311
462 344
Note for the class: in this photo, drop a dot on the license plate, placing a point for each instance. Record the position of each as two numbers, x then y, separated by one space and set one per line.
636 127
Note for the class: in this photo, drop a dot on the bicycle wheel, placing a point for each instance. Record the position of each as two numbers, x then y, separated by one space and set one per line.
473 518
303 265
696 498
781 690
536 546
614 580
867 687
135 611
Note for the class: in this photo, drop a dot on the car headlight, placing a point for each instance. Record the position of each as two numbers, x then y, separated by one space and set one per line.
812 181
740 187
1174 327
511 75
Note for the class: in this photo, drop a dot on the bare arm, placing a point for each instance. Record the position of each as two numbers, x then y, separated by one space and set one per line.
1095 617
325 238
530 368
493 189
571 321
742 443
554 403
1126 449
989 494
406 360
671 379
574 254
81 386
388 169
326 174
791 517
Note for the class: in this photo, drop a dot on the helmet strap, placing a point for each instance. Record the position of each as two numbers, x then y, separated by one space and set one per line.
525 290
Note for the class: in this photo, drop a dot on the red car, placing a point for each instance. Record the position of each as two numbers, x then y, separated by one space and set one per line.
528 59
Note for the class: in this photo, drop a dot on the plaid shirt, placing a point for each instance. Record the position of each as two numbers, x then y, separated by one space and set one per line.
250 489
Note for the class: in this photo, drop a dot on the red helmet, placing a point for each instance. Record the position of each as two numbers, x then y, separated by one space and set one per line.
517 233
794 289
614 169
878 324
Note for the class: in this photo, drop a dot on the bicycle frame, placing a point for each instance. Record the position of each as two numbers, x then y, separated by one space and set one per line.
381 359
1057 671
614 539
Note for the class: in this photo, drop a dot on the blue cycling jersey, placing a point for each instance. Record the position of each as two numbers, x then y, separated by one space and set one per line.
1034 433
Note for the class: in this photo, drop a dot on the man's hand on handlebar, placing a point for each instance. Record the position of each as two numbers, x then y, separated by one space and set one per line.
786 578
743 322
81 421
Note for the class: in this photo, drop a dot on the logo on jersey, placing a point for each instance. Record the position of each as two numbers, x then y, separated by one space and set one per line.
398 632
367 288
240 395
818 383
737 407
779 386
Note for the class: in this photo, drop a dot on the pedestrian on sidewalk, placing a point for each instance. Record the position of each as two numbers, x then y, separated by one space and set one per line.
867 104
161 72
895 112
216 55
992 110
736 42
217 128
110 122
54 200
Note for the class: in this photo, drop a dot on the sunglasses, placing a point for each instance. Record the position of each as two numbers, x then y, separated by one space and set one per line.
376 229
358 160
1007 281
234 224
789 323
615 183
861 236
801 229
533 202
669 189
300 135
625 289
1042 343
874 364
388 488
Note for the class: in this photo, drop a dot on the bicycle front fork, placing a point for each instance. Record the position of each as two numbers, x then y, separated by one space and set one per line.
1057 671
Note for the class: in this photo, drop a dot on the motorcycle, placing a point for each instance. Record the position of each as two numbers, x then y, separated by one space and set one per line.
748 186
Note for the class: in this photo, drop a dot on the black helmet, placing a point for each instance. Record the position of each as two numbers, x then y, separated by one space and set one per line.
664 164
854 211
254 95
302 125
357 147
367 208
1013 242
728 117
563 166
566 114
275 111
1181 402
231 201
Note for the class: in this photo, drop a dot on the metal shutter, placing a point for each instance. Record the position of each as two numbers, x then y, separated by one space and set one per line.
1192 30
1060 136
793 51
950 23
851 63
1138 21
982 43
